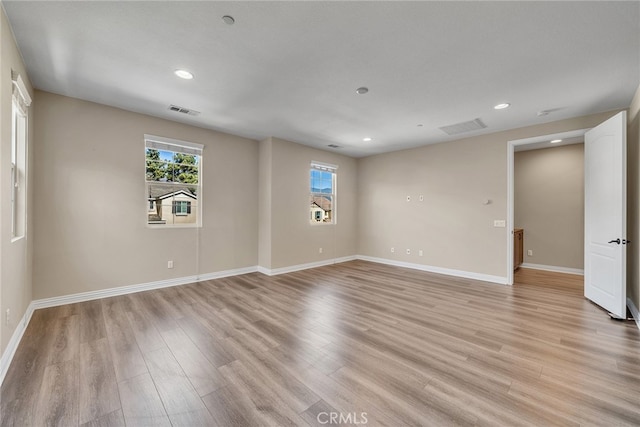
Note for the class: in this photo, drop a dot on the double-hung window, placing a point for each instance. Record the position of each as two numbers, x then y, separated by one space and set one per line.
19 113
322 198
173 171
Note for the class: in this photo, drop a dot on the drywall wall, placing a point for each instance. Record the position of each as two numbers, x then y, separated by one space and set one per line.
90 201
452 226
15 256
549 205
633 200
293 240
264 197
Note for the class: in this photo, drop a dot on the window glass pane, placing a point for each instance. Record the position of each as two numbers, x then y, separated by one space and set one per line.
156 171
321 208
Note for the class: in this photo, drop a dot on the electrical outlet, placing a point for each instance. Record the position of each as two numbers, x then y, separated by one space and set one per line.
420 253
7 319
169 264
319 250
393 250
530 252
408 251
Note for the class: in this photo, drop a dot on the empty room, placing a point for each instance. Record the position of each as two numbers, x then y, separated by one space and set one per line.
319 213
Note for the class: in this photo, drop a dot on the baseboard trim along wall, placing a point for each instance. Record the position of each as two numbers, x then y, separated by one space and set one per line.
292 268
554 268
439 270
12 345
634 311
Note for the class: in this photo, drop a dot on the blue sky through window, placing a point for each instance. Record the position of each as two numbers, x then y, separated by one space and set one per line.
321 181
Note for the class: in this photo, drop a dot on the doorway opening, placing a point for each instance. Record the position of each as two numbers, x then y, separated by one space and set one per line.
533 143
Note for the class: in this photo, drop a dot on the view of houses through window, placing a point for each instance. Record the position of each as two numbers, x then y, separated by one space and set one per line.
173 171
322 193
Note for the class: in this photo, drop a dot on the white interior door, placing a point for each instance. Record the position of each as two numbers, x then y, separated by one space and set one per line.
605 215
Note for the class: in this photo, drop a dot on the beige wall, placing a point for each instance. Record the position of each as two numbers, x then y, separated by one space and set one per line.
452 227
264 211
293 240
88 156
633 200
549 205
15 257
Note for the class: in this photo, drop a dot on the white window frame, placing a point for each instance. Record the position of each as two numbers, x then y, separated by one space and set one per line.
176 146
20 102
333 169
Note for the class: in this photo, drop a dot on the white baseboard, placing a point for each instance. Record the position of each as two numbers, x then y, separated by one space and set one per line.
634 311
12 345
553 268
440 270
130 289
292 268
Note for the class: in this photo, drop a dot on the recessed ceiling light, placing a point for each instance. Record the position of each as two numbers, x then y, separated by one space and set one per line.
228 19
367 139
183 74
501 106
362 90
420 125
555 141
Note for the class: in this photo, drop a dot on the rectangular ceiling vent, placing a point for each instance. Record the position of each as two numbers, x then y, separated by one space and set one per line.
333 146
183 110
463 127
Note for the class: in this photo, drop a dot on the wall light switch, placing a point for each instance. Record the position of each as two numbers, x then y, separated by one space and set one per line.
421 198
393 250
408 251
530 252
408 198
169 264
500 223
420 253
320 250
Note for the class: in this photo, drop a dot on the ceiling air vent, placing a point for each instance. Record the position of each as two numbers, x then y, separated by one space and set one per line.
463 127
183 110
333 146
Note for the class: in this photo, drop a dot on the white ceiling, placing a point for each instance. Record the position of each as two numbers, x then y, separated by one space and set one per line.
290 69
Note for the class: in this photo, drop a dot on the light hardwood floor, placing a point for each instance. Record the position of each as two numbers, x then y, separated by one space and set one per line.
375 343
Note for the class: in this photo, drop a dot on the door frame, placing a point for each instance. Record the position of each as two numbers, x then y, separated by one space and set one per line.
511 145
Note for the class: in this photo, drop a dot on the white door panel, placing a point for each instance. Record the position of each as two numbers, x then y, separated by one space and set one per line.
605 215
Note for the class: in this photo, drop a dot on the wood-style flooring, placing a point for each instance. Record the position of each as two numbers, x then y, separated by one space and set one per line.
356 343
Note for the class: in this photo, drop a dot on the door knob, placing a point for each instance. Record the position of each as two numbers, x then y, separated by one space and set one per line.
617 241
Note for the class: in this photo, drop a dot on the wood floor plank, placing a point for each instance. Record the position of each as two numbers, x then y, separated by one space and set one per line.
98 389
402 346
112 419
204 376
91 321
141 404
125 353
58 399
180 400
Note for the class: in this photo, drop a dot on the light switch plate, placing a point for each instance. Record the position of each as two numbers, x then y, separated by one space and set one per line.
499 223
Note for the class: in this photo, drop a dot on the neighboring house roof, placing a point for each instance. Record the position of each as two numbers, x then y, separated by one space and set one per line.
164 191
322 202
